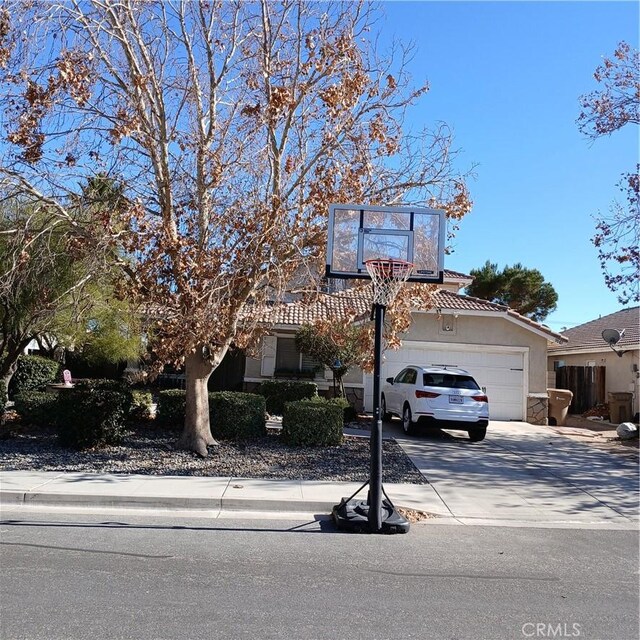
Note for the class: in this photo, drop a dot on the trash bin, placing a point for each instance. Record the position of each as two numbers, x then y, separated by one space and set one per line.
559 401
620 407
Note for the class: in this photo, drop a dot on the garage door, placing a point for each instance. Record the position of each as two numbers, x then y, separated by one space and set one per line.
501 373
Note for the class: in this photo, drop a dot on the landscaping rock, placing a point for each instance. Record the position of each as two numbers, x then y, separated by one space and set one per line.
627 431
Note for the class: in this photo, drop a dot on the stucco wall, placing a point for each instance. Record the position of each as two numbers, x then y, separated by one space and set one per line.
485 330
620 374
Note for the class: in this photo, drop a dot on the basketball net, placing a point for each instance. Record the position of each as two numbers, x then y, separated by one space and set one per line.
387 276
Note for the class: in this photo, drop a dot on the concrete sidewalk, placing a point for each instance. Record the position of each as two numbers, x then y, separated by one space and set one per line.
32 488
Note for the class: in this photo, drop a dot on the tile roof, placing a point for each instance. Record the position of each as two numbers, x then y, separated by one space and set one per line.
359 300
456 275
588 336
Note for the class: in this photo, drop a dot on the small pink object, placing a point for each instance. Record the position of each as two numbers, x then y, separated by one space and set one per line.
66 376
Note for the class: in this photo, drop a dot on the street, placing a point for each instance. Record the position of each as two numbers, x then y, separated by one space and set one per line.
114 575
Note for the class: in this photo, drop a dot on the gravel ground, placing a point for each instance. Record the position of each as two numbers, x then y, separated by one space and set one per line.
148 450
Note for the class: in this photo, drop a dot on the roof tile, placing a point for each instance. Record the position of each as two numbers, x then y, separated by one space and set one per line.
589 334
359 301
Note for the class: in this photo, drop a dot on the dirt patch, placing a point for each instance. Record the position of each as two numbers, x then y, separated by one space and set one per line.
414 515
600 434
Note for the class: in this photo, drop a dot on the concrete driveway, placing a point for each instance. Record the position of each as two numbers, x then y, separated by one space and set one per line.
527 474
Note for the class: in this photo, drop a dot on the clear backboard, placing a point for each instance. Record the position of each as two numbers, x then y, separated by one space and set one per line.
358 233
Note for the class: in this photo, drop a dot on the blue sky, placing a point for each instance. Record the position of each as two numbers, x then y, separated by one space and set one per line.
506 76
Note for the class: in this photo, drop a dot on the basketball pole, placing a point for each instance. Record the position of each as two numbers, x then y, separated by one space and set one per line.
375 472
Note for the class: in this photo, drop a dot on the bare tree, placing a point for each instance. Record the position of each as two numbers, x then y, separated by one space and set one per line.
233 126
615 104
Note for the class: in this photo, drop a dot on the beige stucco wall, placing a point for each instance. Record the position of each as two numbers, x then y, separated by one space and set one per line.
485 330
620 374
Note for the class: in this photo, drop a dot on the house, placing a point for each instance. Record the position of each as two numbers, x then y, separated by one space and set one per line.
586 348
505 351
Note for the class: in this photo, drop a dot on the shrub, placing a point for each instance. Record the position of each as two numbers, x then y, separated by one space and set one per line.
141 405
312 423
349 413
37 407
171 408
33 373
91 416
233 415
237 416
277 392
104 384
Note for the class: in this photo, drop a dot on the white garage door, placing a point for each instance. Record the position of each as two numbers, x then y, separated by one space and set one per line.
501 373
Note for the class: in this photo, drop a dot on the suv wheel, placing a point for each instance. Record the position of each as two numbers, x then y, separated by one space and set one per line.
408 424
476 435
386 416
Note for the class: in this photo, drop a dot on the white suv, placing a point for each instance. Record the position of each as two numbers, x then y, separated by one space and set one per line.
437 397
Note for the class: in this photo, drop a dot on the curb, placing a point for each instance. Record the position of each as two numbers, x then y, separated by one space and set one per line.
29 498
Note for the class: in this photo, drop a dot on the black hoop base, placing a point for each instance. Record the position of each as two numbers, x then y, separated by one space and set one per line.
353 515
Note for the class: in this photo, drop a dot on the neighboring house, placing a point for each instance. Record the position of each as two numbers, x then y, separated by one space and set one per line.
587 348
505 351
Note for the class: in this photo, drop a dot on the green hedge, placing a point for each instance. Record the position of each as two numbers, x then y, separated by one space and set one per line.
312 423
33 373
104 384
278 392
37 407
349 414
141 405
90 416
237 416
233 415
171 408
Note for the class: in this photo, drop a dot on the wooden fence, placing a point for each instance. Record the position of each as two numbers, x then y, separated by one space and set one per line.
587 385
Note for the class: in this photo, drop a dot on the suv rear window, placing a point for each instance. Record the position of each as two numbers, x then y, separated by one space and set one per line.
449 380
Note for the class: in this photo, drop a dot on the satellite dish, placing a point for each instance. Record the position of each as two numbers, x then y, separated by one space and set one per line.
612 336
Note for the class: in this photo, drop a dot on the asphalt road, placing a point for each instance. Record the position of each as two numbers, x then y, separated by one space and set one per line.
94 577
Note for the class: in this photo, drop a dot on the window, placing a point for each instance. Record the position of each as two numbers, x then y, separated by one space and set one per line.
449 381
406 376
290 361
287 357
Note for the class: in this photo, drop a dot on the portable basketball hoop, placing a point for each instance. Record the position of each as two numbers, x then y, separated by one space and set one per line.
388 276
412 242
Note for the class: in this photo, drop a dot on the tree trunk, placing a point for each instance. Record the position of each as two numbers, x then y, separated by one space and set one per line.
196 435
7 368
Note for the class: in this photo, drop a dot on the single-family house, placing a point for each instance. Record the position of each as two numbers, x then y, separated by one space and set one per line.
587 353
505 351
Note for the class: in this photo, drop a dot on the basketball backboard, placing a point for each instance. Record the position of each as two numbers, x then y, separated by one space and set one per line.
358 233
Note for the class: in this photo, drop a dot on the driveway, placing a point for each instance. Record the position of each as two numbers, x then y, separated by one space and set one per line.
525 473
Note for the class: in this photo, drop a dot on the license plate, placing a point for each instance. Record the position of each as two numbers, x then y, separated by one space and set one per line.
456 399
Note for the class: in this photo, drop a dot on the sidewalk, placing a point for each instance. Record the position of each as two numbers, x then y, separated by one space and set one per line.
217 495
